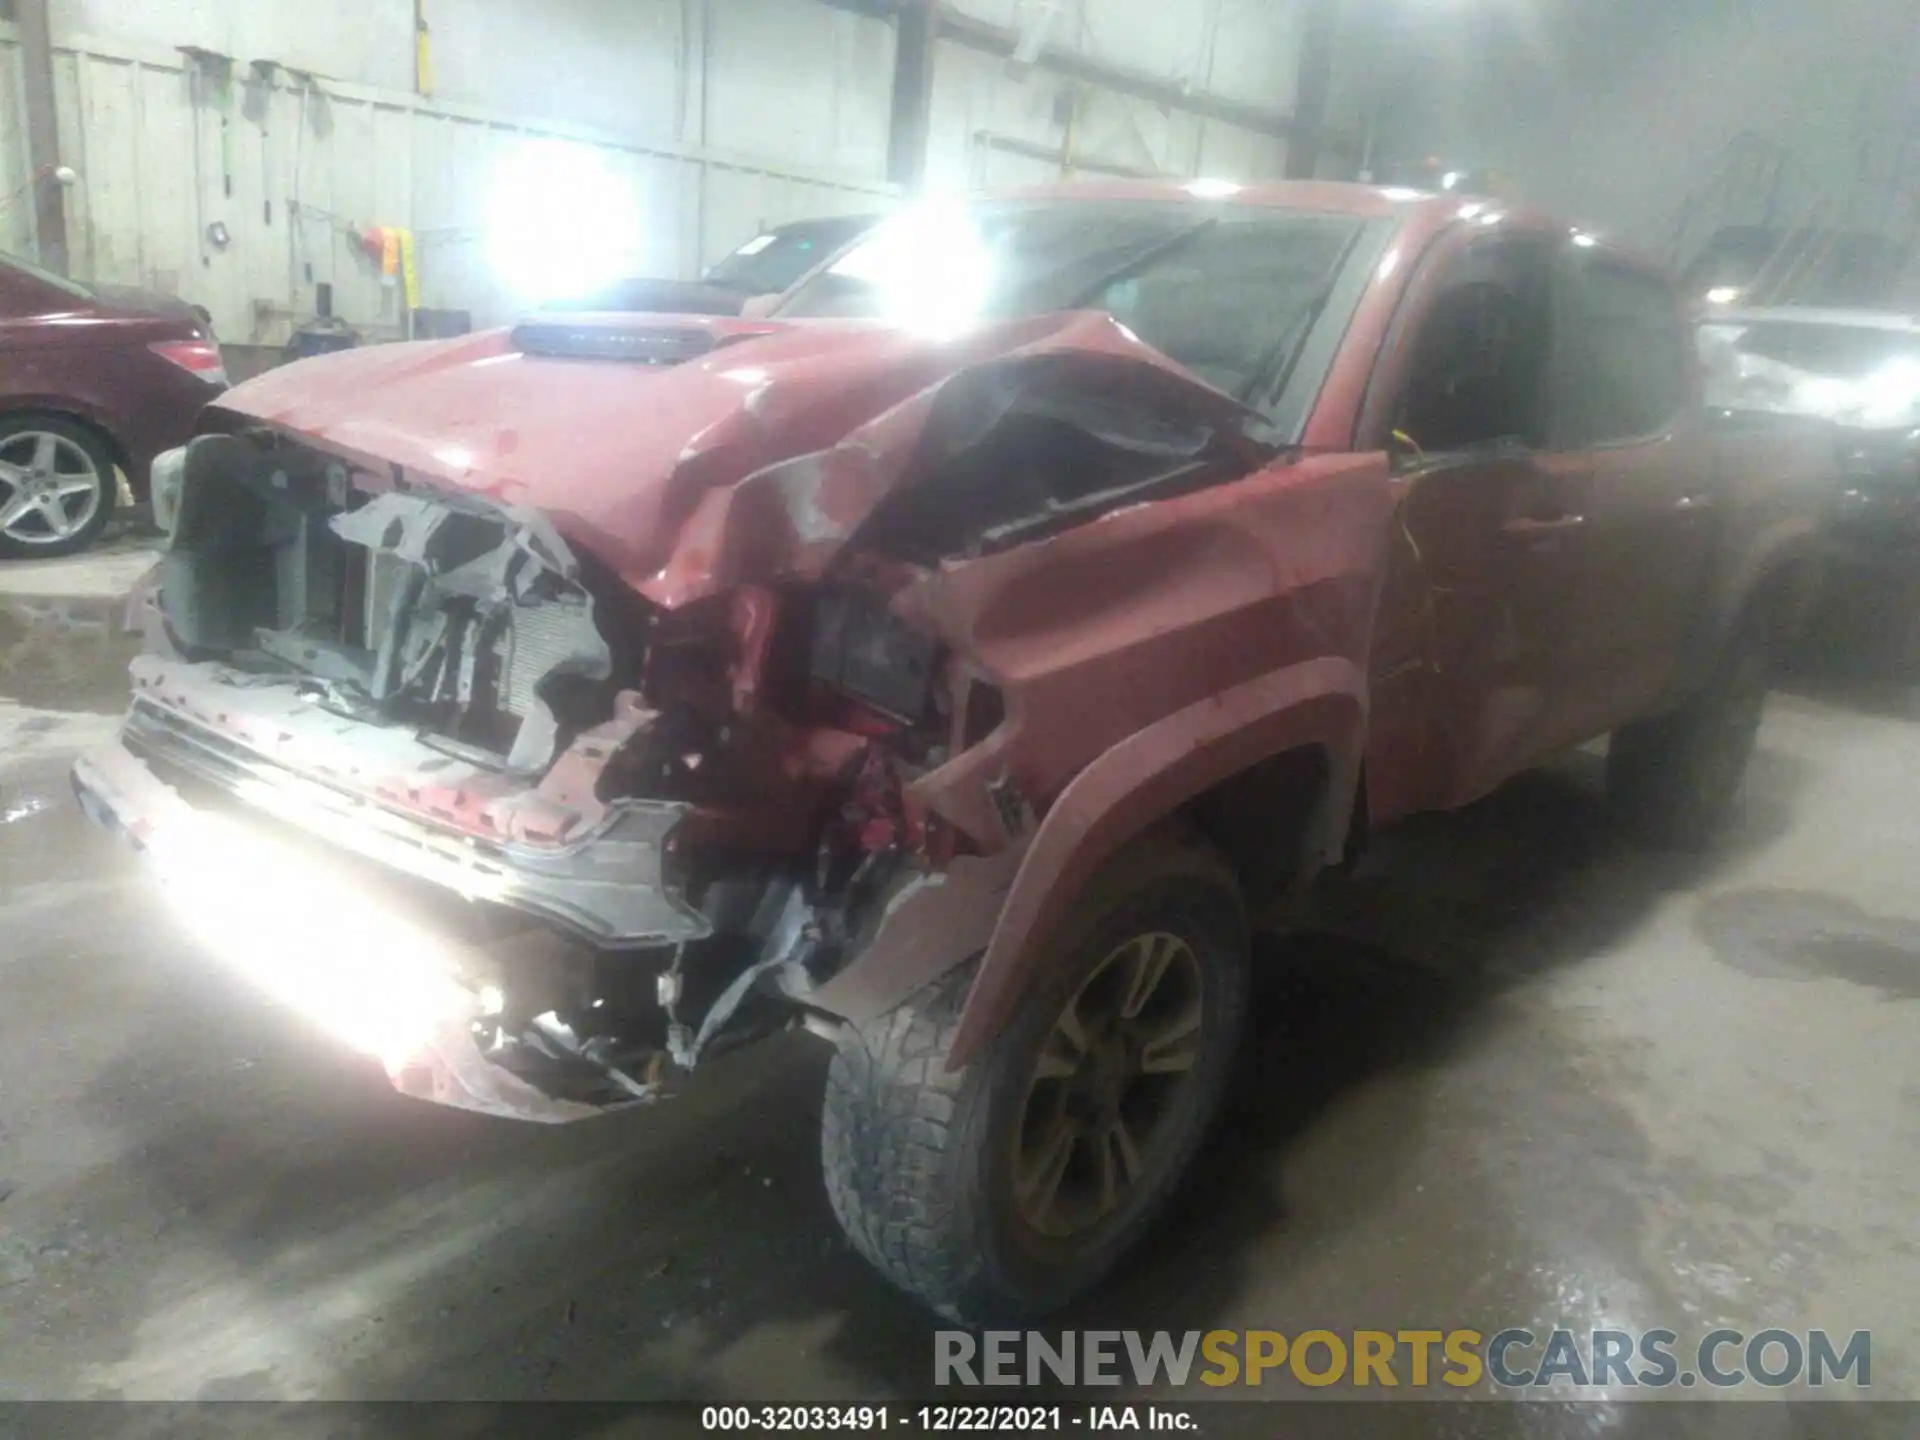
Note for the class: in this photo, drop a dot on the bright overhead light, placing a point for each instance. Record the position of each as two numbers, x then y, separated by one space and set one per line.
929 265
1206 189
1584 240
1723 294
562 220
1889 396
310 936
1451 180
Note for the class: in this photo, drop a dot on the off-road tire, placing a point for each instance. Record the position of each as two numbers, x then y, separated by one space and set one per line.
1674 780
98 452
918 1159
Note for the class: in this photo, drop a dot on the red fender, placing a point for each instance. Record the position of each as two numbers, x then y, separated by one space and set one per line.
1143 779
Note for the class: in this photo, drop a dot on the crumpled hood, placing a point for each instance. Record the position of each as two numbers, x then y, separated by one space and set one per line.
621 453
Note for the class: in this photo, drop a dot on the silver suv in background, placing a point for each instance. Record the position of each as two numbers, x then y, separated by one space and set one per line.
1860 370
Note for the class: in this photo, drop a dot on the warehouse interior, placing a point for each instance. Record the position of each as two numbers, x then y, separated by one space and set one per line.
1505 1064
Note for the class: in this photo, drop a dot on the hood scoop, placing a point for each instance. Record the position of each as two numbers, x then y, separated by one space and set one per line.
648 345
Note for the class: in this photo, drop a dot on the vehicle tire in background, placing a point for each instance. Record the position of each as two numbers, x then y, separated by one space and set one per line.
57 486
1674 779
1003 1190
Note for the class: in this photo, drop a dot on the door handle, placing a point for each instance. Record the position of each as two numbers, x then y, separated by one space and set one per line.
1689 503
1527 527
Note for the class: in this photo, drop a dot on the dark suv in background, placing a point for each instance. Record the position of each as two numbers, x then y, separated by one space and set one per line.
92 378
768 264
1860 371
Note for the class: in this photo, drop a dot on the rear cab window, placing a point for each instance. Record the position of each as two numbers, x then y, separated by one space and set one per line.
1625 357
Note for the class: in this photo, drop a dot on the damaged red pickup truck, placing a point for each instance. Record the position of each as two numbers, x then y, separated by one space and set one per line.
959 663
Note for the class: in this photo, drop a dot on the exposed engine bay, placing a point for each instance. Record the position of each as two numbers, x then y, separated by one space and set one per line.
697 801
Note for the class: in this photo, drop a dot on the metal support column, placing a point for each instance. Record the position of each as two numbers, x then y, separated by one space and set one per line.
1320 28
43 135
916 29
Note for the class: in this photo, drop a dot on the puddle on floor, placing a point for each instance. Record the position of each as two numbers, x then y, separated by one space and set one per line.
65 654
1798 935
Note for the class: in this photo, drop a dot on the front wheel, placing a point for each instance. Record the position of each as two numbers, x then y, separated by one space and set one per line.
1675 779
1002 1191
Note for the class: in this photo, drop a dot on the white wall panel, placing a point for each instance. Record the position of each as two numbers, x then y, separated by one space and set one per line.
365 40
370 156
614 64
796 79
719 117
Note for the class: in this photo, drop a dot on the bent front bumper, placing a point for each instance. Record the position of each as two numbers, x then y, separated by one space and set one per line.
400 1001
607 887
379 981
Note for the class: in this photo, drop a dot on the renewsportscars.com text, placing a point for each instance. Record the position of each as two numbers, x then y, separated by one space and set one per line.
1511 1359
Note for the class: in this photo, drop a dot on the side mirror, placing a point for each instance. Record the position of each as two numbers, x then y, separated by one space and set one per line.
759 307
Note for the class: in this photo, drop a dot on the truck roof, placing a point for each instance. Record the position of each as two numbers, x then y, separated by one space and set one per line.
1425 212
1812 315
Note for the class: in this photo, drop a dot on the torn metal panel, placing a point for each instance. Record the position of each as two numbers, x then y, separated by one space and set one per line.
1094 634
555 849
585 444
1033 428
450 611
931 924
451 1070
463 558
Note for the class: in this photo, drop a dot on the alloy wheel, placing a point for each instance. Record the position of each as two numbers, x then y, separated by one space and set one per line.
50 488
1109 1084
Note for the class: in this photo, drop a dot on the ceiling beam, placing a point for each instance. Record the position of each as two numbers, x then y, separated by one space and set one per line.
1002 42
1058 155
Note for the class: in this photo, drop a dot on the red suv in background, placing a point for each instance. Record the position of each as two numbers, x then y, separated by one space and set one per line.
91 377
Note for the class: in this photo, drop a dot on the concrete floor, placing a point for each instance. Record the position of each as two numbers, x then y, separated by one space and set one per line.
1542 1079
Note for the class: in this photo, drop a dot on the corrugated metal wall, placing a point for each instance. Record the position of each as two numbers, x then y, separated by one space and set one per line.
730 114
352 156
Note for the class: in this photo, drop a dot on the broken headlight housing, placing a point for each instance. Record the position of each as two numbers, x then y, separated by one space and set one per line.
861 649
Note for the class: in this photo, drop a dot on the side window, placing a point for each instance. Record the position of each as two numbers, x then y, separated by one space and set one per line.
1479 364
1626 357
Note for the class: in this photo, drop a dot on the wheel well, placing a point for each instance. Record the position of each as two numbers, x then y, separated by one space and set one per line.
93 427
1267 820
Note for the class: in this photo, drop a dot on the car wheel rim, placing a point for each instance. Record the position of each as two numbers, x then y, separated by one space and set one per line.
1109 1085
50 488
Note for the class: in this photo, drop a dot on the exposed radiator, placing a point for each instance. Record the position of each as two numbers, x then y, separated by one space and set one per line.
540 637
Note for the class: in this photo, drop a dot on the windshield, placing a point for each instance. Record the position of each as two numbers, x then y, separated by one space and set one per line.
45 277
1855 374
769 263
1229 292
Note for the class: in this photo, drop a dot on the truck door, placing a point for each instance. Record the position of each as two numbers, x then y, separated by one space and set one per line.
1625 381
1478 644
